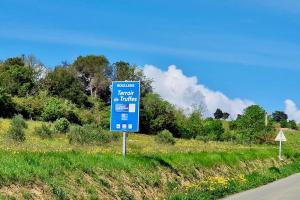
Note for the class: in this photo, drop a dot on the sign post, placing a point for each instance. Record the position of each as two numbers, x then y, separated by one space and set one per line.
280 138
125 104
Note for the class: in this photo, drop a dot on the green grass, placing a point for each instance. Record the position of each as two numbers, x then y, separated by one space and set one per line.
59 170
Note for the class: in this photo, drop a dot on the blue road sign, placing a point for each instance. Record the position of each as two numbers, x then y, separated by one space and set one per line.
125 106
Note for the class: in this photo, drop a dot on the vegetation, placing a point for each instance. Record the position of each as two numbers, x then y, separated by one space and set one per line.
165 137
44 131
16 130
85 161
61 125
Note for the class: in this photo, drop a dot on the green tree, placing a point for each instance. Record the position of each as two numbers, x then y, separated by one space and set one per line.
157 115
16 78
293 125
95 72
7 107
53 109
225 115
251 125
124 71
193 125
62 82
213 129
278 116
218 114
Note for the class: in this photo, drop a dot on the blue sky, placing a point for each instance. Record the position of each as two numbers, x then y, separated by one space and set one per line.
247 49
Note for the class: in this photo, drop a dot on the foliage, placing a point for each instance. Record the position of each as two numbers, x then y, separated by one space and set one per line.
53 109
193 126
124 71
44 131
157 115
213 129
225 115
218 114
251 125
94 72
284 124
61 125
90 134
63 83
6 104
16 130
16 78
165 137
293 125
278 116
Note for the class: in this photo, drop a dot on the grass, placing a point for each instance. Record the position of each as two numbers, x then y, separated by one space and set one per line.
136 144
54 169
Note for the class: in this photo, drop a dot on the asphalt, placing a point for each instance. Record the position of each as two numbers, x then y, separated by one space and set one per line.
284 189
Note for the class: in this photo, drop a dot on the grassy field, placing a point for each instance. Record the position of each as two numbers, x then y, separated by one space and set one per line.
54 169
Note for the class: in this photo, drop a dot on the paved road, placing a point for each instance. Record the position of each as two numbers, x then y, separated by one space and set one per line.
284 189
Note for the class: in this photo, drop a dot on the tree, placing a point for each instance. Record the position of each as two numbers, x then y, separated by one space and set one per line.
53 109
293 125
213 129
278 116
193 125
218 114
157 115
16 78
251 125
225 115
284 123
124 71
7 107
62 82
95 72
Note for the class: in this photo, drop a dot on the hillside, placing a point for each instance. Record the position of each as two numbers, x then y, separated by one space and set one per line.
54 169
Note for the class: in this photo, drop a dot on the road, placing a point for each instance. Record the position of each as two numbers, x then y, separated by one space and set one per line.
284 189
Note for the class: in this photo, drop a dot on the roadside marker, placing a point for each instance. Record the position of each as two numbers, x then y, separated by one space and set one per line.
280 138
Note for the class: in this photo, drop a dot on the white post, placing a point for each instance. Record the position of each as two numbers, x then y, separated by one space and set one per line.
124 144
280 146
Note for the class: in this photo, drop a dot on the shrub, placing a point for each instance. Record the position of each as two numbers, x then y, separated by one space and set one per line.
165 137
213 129
53 109
44 131
293 125
61 125
193 126
16 130
283 124
90 134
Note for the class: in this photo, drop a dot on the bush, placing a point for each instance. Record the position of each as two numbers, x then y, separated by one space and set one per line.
90 134
44 131
16 130
61 125
165 137
7 107
293 125
213 129
283 124
53 109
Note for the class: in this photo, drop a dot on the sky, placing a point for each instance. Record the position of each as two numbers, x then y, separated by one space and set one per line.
228 54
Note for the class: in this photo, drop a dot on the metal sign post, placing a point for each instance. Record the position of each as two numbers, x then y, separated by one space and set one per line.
125 104
280 138
124 145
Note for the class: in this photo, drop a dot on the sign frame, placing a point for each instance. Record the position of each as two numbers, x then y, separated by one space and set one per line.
137 107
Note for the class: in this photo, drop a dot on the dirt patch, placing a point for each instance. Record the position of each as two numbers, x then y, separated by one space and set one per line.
31 191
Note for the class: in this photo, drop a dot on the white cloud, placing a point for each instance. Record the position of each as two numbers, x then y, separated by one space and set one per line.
184 91
292 110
